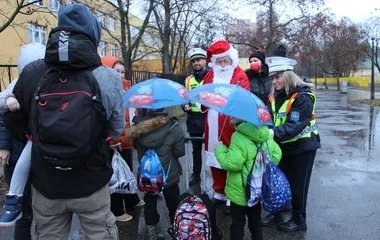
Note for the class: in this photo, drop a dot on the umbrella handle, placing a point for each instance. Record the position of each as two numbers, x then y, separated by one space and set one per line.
224 124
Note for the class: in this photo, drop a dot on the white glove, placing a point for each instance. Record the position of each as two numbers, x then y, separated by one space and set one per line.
271 132
12 104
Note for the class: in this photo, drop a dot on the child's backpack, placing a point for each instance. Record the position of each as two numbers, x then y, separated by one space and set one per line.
195 219
68 119
151 176
276 194
266 182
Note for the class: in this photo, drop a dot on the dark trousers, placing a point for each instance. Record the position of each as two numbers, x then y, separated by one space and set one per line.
23 226
238 214
121 202
298 172
197 153
150 211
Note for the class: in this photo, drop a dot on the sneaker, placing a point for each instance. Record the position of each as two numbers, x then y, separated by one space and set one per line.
195 178
124 218
12 210
140 204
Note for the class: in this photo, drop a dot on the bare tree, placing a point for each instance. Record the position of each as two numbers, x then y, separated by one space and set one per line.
342 49
177 24
13 8
371 28
270 30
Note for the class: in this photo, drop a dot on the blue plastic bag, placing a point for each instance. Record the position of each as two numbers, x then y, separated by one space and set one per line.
275 193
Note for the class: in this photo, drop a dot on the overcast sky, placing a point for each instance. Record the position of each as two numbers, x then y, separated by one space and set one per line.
356 10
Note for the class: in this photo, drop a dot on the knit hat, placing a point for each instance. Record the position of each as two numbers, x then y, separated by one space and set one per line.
258 54
220 49
280 51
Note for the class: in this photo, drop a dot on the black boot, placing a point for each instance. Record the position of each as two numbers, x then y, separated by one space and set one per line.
271 219
292 226
195 178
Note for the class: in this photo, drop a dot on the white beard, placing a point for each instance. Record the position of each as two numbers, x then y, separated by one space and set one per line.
223 75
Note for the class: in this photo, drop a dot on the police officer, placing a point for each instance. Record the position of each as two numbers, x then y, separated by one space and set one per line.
195 119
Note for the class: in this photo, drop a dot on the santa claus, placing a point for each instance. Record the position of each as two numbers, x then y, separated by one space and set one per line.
224 62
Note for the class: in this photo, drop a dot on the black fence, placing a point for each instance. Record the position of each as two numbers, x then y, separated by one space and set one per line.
139 76
7 73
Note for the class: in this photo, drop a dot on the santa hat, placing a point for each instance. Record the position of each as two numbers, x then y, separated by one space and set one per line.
220 49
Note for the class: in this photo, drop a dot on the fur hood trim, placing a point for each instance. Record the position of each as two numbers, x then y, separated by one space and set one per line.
146 126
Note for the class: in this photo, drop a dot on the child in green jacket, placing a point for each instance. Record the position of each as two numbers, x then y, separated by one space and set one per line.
238 160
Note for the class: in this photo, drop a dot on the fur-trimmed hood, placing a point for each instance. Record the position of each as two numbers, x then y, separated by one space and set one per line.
150 131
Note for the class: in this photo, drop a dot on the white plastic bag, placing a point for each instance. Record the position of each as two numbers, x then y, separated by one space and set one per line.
126 181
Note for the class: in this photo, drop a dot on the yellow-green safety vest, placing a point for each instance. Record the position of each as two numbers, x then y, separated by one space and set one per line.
280 117
191 83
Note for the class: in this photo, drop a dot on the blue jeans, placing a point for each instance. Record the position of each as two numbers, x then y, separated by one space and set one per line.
23 226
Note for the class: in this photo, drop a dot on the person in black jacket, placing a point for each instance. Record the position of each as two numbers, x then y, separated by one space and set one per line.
195 119
292 105
258 76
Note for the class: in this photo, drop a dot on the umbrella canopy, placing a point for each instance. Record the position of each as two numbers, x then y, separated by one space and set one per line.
155 93
233 101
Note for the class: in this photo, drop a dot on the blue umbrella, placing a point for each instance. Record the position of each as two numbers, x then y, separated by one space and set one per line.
233 101
155 93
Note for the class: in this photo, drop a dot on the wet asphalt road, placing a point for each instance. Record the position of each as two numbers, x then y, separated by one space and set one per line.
344 191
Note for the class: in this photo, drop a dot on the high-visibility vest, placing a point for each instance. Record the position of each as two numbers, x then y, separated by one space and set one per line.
280 117
191 83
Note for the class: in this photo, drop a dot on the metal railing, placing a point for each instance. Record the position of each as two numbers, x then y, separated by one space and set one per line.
6 75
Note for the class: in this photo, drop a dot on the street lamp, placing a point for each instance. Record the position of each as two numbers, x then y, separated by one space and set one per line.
373 69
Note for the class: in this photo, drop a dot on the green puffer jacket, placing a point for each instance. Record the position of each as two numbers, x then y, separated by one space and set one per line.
238 159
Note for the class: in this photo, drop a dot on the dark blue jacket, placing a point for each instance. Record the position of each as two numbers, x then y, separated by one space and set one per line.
7 142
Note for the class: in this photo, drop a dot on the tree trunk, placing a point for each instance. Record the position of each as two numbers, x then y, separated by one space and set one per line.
338 82
166 62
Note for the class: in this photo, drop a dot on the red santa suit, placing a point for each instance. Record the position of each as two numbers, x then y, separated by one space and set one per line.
218 125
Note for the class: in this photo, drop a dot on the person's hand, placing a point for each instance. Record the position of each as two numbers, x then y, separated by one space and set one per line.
187 108
116 147
217 144
12 104
271 132
4 156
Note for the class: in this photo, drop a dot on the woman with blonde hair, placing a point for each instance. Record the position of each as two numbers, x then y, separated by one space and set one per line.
292 105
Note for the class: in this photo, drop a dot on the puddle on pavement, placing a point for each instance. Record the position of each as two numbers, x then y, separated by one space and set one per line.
349 130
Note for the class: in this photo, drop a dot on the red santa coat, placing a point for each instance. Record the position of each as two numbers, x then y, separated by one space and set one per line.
214 121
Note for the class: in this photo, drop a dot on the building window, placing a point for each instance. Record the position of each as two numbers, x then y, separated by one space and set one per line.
36 33
112 50
40 3
101 19
54 5
111 23
102 49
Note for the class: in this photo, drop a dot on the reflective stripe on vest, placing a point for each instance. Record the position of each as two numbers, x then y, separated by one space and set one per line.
280 117
190 84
